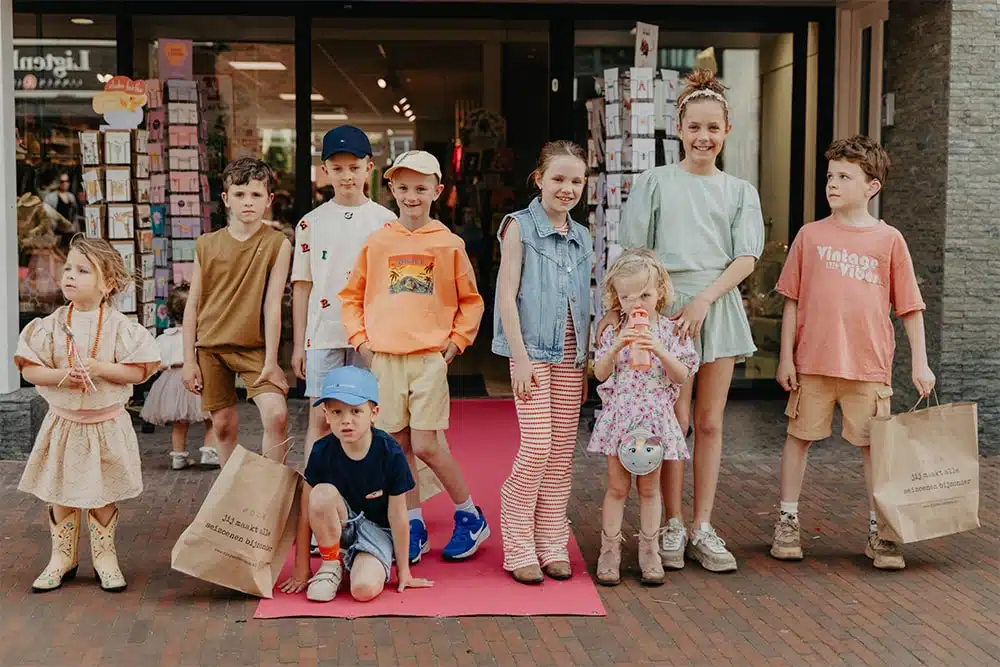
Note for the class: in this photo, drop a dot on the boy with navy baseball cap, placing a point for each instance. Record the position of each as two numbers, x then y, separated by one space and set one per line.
354 497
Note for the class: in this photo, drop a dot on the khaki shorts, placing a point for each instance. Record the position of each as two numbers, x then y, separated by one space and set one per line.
219 367
810 407
412 391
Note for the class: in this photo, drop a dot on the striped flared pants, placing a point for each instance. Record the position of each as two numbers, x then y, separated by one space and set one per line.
533 500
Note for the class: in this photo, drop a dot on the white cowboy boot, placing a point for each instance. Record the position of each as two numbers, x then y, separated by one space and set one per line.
102 552
65 557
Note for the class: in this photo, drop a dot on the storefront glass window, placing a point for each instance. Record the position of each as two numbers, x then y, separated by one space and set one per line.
757 70
60 64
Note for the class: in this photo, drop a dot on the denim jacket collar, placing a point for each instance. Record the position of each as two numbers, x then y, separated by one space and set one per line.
544 226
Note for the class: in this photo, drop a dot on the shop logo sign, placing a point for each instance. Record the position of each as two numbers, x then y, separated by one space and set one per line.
51 64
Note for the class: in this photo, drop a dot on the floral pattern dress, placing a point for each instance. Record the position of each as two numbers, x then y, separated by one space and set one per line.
634 398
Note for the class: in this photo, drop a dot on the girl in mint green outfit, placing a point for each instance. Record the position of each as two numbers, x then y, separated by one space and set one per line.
706 226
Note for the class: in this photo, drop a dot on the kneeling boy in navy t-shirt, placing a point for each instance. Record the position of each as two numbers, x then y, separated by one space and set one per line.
353 498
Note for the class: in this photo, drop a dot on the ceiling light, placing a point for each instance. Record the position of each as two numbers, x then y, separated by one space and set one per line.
390 132
395 107
381 82
257 65
329 116
412 118
402 100
82 20
290 97
408 113
406 106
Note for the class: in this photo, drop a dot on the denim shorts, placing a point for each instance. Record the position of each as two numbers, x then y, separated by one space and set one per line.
321 362
362 535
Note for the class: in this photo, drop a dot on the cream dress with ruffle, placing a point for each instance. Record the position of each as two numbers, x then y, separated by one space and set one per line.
86 453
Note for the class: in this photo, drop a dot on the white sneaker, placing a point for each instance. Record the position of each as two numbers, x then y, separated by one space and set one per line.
179 460
710 550
209 457
323 586
674 539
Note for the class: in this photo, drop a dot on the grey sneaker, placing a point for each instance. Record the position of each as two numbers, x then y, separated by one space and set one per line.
710 550
672 543
786 544
179 460
324 584
885 554
209 456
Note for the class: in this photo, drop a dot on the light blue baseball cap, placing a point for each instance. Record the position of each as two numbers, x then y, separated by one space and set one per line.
349 384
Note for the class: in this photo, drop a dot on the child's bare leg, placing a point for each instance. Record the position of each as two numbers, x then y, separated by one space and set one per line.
613 510
226 425
104 514
327 514
866 459
178 437
316 429
427 447
274 417
367 577
60 512
210 439
413 495
672 477
793 468
650 505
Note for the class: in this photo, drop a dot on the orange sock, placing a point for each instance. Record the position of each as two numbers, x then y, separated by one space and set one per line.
330 553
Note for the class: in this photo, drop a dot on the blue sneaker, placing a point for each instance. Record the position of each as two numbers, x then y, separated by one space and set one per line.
418 541
470 531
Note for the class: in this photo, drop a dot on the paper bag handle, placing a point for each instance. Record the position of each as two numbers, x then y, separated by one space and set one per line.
287 440
928 399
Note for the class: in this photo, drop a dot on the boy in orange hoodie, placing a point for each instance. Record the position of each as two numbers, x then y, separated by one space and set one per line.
410 306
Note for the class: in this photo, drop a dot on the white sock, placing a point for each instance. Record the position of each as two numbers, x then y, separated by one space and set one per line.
467 506
789 511
872 523
707 527
417 514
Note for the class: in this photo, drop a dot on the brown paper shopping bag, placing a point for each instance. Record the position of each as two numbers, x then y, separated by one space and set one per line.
925 466
245 528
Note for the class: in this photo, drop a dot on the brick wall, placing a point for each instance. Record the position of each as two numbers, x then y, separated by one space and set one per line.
944 68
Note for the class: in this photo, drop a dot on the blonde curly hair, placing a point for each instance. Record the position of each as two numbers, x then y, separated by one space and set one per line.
112 275
629 264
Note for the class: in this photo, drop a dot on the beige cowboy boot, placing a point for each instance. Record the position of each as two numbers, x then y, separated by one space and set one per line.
609 562
65 557
650 565
102 551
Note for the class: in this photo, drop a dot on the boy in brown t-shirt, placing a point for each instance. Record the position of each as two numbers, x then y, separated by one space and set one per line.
232 321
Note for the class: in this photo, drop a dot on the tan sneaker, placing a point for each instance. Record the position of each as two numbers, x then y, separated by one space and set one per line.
710 550
885 554
650 565
672 544
786 544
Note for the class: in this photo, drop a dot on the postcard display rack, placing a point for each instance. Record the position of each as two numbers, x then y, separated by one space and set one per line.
115 165
631 128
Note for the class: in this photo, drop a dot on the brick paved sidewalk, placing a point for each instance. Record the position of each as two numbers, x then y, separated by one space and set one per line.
831 609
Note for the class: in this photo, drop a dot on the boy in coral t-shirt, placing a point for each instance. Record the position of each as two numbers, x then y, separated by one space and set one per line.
843 276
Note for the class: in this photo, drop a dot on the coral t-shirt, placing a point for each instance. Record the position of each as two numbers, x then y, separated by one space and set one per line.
847 280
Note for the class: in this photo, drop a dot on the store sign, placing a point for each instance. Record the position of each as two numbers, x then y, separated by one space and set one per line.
58 66
61 67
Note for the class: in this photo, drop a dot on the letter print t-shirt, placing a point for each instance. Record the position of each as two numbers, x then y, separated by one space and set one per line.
366 484
846 281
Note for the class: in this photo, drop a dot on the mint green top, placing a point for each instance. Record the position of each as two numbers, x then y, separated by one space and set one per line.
698 225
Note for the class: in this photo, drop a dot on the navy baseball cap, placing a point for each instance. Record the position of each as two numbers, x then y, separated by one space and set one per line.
349 384
346 139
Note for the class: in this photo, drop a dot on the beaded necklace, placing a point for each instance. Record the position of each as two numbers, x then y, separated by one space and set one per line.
97 337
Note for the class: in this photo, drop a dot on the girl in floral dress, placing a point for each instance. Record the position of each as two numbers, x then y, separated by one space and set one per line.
84 359
637 398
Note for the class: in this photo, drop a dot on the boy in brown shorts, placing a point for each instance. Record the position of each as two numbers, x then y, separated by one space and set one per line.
232 321
843 276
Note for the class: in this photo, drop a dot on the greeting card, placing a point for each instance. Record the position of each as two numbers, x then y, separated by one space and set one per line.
614 192
141 165
142 190
614 155
144 239
641 84
183 271
118 184
125 302
147 293
127 250
183 135
184 181
643 153
147 314
184 205
155 125
147 265
154 93
611 89
118 147
162 317
184 228
643 114
672 151
94 220
93 184
141 141
182 112
612 217
671 84
613 120
156 157
183 159
121 221
158 219
162 279
183 250
142 220
90 149
161 251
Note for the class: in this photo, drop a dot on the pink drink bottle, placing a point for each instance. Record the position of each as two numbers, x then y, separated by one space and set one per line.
638 319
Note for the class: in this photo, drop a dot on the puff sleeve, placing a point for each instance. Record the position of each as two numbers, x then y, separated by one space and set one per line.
35 345
748 224
641 214
136 346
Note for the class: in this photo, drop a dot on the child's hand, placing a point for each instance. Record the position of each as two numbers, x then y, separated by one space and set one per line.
624 338
449 351
691 317
522 377
74 379
95 369
407 580
272 374
298 579
192 378
645 340
299 362
787 377
924 380
365 350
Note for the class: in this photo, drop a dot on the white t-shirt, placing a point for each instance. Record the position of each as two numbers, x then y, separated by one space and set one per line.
171 344
328 241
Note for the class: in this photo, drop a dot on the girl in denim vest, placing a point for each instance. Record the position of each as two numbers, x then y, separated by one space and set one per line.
541 324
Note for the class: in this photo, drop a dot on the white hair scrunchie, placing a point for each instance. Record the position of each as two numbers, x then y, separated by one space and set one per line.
704 92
